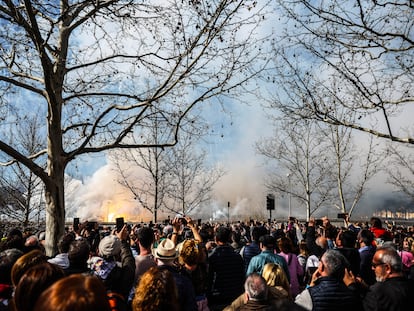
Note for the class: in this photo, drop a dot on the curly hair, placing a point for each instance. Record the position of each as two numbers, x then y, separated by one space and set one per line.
190 253
156 291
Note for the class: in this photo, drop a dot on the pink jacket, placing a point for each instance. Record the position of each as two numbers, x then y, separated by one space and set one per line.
295 271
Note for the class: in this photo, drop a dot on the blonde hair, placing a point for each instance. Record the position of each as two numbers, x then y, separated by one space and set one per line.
156 291
190 253
275 276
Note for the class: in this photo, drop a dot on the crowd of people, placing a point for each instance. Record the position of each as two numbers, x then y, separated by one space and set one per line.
183 265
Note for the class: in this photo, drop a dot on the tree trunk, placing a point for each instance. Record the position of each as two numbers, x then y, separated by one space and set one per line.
55 214
155 218
55 185
55 197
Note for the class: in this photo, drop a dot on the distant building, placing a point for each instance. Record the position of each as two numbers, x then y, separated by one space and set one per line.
401 214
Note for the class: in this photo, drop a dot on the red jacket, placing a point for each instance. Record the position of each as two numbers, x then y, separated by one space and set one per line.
381 233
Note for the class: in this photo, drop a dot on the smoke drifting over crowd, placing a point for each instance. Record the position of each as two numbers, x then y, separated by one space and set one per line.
101 197
239 195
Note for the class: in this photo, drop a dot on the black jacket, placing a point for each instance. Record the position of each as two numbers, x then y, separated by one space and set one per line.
353 257
248 252
394 294
330 294
367 274
225 275
313 248
121 278
186 295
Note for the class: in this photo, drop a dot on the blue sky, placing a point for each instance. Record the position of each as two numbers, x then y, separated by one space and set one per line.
232 144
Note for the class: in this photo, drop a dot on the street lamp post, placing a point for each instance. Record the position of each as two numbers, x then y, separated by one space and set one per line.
228 212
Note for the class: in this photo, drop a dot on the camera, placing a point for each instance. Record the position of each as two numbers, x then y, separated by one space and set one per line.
342 215
318 223
181 219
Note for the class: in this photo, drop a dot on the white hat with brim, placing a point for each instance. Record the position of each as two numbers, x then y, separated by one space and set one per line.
165 250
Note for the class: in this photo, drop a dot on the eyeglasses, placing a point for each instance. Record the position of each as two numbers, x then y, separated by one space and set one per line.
374 265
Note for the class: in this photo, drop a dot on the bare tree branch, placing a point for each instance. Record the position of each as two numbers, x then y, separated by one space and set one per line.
101 70
368 46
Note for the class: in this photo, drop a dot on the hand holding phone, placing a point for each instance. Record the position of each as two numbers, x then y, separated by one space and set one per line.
75 224
119 223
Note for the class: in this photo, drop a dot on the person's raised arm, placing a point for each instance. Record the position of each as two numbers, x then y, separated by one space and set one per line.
299 235
176 224
194 229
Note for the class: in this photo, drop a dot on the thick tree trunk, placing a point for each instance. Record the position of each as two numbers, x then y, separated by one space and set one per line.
55 217
55 207
56 164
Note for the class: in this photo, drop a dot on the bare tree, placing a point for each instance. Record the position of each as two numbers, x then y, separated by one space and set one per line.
96 67
366 45
173 178
401 170
303 168
21 188
354 168
189 182
143 171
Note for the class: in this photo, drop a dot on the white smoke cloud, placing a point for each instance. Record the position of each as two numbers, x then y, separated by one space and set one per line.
102 198
242 185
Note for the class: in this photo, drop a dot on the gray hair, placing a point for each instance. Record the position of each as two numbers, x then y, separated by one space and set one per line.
256 287
10 255
334 263
391 257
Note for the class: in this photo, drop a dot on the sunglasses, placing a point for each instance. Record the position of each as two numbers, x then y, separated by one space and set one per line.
374 265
